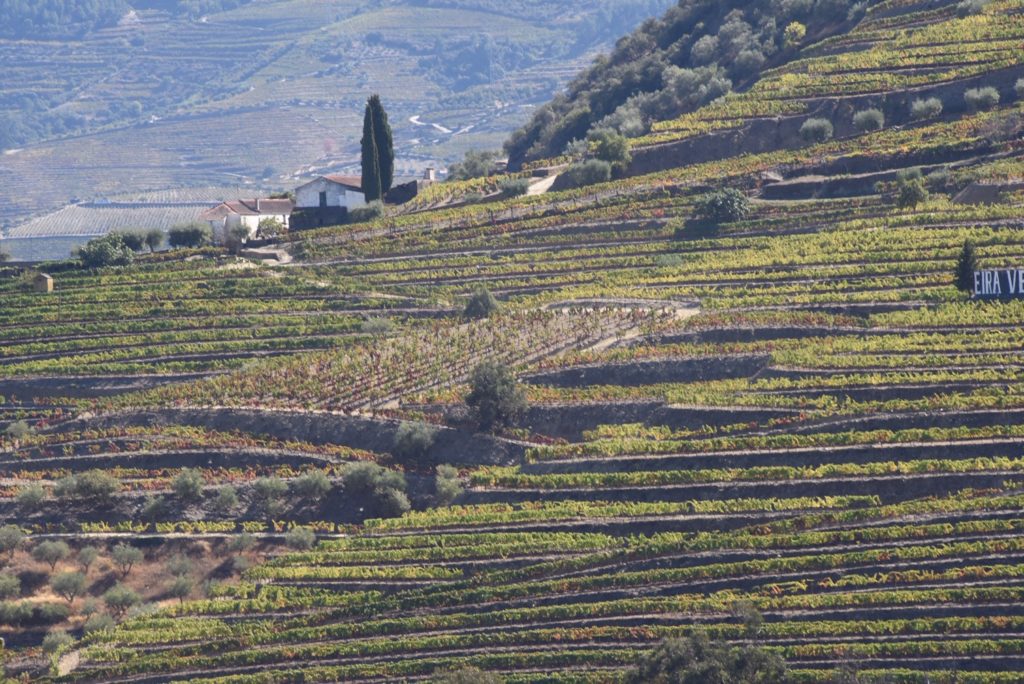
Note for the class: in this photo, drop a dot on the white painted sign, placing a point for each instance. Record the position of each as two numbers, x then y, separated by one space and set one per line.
998 283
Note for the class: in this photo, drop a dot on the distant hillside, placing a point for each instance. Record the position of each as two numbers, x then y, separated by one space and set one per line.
181 93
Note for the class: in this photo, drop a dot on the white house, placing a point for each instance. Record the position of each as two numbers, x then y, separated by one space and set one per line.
331 192
248 213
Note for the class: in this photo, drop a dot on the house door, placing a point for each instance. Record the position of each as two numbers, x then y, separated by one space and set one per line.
323 200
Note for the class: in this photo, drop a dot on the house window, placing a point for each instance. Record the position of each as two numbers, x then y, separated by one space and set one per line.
323 200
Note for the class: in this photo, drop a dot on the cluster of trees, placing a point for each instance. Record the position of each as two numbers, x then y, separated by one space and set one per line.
51 19
695 53
120 248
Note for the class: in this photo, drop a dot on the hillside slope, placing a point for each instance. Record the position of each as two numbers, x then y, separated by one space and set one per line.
791 411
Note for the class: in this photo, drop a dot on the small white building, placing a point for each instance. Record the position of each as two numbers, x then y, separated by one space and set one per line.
248 213
331 192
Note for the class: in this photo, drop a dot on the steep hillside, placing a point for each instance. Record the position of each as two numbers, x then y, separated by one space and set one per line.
759 405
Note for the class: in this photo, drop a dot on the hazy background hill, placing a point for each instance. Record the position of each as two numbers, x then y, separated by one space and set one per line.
108 97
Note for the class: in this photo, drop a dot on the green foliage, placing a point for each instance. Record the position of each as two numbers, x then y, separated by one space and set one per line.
911 191
10 586
311 486
18 430
179 565
87 555
70 585
372 211
93 486
226 500
966 8
495 396
723 206
155 239
699 660
816 130
180 588
189 236
242 543
381 489
11 539
120 598
413 440
869 120
31 497
106 251
476 164
98 622
126 557
481 304
514 187
378 153
134 240
966 265
447 485
610 146
981 99
51 552
300 538
921 109
271 229
55 641
794 35
590 172
188 486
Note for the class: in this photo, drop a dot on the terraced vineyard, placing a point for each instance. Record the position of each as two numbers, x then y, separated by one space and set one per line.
788 431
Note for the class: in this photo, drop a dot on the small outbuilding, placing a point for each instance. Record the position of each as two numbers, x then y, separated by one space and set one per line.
43 283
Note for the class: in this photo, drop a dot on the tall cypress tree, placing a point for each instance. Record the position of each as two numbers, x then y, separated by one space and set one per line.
378 151
966 265
385 144
372 186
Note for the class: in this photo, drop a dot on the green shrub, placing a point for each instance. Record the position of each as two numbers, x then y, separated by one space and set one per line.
188 485
981 99
610 146
226 499
382 490
966 265
93 486
589 172
189 236
925 109
447 485
98 622
10 585
723 206
106 251
966 8
481 304
869 120
816 130
133 239
55 641
31 497
514 187
312 486
495 397
300 538
371 212
413 440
